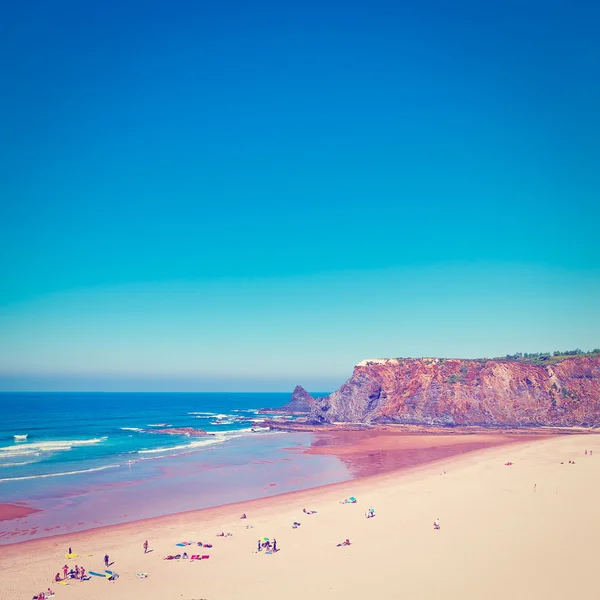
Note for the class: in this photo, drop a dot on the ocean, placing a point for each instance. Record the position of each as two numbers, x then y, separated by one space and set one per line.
91 459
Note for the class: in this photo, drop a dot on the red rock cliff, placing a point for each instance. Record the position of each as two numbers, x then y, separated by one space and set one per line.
434 391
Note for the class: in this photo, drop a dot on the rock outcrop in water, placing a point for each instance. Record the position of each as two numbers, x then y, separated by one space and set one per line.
301 403
449 392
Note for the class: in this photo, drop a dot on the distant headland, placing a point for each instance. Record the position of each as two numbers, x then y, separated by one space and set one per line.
559 389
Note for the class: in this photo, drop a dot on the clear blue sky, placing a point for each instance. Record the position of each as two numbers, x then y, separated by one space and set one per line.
252 195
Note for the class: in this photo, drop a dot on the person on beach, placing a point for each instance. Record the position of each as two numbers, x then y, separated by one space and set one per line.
70 551
346 542
436 523
534 487
76 572
243 516
65 571
57 577
259 548
82 574
274 545
145 546
106 560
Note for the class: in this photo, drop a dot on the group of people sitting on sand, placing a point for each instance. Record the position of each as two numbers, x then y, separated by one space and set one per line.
309 512
508 464
346 542
44 595
351 500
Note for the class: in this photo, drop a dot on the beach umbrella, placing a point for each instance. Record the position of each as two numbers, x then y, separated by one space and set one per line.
265 539
352 498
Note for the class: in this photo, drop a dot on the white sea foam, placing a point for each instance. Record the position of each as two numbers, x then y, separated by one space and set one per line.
217 439
160 425
131 429
49 446
43 476
18 464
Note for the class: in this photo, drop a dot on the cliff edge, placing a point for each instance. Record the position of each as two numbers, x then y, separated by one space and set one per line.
484 392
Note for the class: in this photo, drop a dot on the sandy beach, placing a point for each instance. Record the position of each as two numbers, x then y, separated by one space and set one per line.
500 537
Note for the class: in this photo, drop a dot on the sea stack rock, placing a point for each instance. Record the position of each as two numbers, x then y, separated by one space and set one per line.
301 403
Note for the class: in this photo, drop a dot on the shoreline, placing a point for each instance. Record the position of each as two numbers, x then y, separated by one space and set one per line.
351 447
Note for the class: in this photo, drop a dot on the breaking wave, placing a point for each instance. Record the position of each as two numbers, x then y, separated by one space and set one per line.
44 475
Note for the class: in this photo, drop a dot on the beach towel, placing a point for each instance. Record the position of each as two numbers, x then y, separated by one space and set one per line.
109 572
165 558
205 556
143 575
195 557
181 544
74 555
63 583
96 574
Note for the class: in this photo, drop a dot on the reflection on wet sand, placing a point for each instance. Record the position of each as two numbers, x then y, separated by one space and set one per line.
368 453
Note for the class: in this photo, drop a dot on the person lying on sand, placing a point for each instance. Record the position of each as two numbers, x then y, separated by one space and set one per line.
223 534
436 523
309 512
296 525
346 542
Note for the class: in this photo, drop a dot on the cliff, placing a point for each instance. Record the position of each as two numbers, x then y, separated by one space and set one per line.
497 392
301 403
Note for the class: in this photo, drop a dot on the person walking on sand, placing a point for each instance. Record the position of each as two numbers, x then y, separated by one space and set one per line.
258 548
106 560
534 487
274 545
145 546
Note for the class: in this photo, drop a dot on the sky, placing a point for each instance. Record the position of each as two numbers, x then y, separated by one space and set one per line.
242 196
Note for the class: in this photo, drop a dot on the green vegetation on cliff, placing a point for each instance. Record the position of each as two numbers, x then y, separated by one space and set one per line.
547 358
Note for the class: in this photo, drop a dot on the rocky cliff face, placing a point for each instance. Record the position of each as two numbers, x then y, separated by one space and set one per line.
301 403
434 391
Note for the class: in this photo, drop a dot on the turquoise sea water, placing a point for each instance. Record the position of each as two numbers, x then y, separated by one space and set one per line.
91 459
77 432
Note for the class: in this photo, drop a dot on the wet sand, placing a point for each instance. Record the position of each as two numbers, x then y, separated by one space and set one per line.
374 452
15 511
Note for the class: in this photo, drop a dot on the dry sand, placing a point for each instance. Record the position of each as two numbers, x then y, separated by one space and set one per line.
499 538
